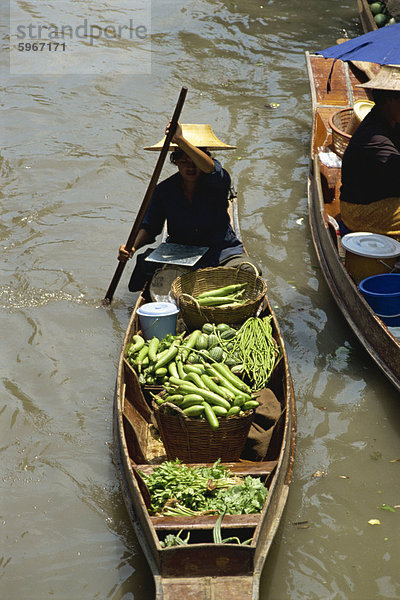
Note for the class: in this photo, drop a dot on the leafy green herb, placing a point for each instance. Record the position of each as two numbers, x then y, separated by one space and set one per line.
174 540
176 489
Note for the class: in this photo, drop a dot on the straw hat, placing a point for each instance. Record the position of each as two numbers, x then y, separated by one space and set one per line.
199 135
387 78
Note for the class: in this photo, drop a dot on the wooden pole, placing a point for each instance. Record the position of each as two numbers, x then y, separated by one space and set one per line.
146 200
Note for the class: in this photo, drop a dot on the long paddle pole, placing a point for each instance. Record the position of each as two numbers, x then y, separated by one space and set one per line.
146 200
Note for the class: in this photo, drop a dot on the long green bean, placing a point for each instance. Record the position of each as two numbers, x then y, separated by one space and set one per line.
255 345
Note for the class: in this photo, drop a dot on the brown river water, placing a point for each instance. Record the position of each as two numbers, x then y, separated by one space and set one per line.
73 176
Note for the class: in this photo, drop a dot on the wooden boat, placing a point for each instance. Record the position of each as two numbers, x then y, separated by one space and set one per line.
324 211
366 16
202 569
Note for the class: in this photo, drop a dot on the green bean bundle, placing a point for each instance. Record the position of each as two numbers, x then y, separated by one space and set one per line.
258 350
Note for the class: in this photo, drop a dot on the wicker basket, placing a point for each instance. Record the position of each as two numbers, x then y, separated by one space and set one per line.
339 123
185 287
193 440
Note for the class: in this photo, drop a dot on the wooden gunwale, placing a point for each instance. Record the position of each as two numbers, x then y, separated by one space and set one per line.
199 569
323 187
366 16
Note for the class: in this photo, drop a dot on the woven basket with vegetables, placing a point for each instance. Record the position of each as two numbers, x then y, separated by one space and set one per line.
194 441
218 295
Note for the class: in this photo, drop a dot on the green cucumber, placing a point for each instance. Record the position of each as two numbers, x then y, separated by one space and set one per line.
196 379
194 369
219 411
174 398
167 357
234 380
172 369
142 359
213 387
153 347
217 301
223 381
194 411
250 404
213 398
234 410
161 372
239 401
210 416
179 381
223 291
179 366
190 400
137 344
190 343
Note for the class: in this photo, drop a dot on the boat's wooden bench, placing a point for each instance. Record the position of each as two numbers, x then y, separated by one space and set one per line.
241 468
205 522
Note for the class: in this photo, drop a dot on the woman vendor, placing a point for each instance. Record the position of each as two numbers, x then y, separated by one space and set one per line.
370 192
193 202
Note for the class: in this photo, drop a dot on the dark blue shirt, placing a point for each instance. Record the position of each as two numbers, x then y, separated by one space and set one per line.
371 162
202 222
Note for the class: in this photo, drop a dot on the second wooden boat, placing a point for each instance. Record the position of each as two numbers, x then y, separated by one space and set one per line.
324 210
366 16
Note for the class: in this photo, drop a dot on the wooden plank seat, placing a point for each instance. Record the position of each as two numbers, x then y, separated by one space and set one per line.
205 522
241 468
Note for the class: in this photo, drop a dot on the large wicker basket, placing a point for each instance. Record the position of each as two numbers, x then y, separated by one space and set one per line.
193 441
187 286
340 123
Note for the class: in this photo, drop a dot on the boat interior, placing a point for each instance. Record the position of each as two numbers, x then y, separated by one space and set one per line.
332 88
146 450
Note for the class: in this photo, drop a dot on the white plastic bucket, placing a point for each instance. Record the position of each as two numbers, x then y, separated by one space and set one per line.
369 254
158 319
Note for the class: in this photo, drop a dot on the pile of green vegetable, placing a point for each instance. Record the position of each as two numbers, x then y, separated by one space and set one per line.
176 540
151 358
176 489
208 390
255 345
211 373
230 295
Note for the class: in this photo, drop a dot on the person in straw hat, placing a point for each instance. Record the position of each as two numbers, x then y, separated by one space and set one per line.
370 192
194 204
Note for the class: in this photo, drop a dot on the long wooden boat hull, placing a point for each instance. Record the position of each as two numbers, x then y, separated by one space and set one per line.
202 570
366 16
323 203
198 569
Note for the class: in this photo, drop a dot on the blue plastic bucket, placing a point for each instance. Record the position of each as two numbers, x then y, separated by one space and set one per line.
382 292
157 319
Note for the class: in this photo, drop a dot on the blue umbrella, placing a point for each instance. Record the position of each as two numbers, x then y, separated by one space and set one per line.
381 46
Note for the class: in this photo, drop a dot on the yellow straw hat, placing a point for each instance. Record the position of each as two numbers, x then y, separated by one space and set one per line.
199 135
387 78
